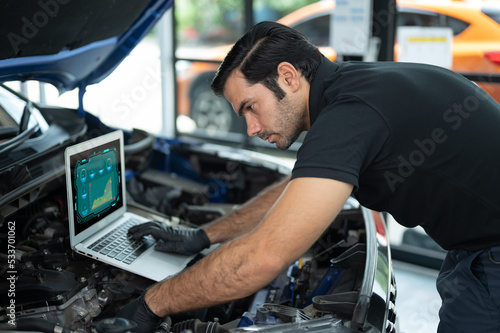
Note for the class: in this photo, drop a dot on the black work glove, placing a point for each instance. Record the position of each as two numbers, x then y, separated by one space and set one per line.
139 312
172 239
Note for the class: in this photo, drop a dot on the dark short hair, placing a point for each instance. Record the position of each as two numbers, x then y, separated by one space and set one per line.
259 52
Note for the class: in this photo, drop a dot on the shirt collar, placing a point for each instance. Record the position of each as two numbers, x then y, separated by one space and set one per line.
325 71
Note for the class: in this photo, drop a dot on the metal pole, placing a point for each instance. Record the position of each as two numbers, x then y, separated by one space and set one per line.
167 52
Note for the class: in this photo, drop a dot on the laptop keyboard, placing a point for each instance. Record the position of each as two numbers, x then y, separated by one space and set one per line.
115 244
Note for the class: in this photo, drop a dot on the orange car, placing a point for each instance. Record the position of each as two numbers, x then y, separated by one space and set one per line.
476 50
476 34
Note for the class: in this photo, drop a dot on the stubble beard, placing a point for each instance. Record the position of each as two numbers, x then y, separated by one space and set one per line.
289 123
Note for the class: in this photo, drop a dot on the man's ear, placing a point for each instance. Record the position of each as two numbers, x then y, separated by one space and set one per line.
288 76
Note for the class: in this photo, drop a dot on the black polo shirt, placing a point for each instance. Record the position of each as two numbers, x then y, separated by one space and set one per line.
418 141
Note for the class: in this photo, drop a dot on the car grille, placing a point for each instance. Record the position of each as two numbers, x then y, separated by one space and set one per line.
391 313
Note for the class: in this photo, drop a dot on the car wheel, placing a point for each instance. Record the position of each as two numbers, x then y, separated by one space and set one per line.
214 113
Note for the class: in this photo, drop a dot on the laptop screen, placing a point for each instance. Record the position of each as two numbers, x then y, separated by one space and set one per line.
95 184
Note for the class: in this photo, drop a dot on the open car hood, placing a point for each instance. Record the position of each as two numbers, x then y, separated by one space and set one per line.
71 43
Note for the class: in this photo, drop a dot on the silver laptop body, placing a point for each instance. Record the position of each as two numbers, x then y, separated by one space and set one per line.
95 183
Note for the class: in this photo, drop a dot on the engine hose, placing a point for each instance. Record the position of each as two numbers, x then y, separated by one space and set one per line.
197 326
39 325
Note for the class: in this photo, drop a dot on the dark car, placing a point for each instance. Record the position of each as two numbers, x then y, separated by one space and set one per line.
343 284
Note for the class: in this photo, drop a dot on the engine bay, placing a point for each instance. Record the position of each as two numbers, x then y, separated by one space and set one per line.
51 288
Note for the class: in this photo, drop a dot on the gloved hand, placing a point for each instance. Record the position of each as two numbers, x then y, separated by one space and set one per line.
140 313
172 239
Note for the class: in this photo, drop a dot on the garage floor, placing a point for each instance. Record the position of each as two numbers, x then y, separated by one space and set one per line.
417 301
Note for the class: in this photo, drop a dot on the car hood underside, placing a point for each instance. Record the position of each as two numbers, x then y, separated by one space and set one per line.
71 43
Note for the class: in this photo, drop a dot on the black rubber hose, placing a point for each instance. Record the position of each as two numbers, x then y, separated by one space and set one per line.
197 326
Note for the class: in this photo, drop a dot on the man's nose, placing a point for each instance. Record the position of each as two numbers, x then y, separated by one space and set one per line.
253 126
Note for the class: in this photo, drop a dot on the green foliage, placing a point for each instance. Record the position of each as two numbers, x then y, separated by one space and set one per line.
283 6
223 20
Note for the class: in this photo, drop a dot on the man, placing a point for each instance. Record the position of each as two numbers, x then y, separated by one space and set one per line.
415 140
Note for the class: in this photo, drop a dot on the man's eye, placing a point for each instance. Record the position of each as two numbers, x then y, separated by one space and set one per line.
247 108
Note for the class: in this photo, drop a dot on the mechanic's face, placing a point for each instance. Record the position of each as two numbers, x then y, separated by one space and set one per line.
279 122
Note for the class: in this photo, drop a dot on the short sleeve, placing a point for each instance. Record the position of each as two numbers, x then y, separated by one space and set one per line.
343 141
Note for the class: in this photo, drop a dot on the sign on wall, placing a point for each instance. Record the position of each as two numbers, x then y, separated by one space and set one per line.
427 45
351 27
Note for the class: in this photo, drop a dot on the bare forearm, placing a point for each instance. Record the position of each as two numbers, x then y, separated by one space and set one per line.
246 217
245 264
233 271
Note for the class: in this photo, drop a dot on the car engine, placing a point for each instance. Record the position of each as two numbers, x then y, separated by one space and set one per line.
47 287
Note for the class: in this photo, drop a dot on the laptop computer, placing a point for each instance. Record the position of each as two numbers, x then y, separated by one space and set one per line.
97 211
